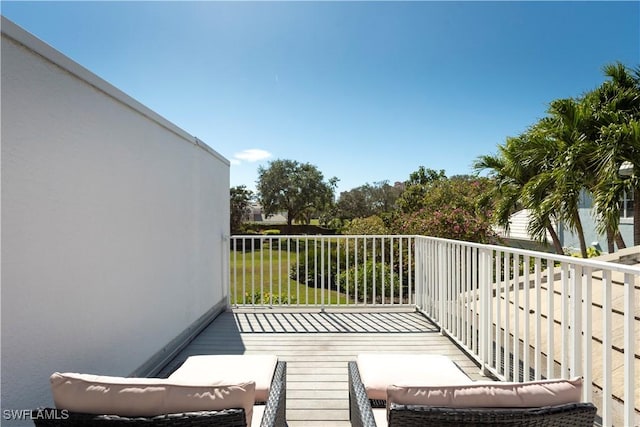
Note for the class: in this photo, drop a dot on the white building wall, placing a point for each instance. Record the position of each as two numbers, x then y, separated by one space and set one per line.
518 227
113 224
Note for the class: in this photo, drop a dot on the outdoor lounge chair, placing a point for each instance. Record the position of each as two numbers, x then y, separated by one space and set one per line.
269 411
409 406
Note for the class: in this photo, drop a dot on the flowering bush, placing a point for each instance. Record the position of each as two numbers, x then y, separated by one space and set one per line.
451 209
450 223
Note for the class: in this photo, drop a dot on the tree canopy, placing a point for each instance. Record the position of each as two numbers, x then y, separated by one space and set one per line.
240 199
299 189
368 200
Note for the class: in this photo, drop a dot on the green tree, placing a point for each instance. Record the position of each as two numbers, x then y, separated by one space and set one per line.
616 117
367 200
296 188
514 170
564 133
415 188
240 201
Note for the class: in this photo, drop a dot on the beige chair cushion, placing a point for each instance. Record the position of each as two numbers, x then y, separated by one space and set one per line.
483 394
230 369
378 371
146 397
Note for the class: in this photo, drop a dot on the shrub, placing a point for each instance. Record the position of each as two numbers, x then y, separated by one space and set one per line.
371 225
309 268
362 278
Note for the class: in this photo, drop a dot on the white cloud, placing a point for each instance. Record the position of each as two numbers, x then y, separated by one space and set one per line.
235 161
252 155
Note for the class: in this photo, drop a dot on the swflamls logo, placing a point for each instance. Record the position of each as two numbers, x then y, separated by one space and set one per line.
35 414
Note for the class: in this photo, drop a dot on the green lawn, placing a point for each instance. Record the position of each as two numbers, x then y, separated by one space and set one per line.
250 273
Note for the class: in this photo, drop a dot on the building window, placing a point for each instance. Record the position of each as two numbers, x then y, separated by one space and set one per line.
626 206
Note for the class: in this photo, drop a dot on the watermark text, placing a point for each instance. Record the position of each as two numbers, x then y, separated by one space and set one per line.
34 414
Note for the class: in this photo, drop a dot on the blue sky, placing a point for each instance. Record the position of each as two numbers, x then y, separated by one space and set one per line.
366 91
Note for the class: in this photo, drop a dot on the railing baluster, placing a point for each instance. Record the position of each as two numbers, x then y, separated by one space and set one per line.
253 271
411 248
564 352
538 323
576 322
486 324
280 270
629 349
441 285
373 263
467 298
383 296
587 316
475 284
526 311
550 319
306 266
515 366
323 276
392 280
298 271
457 288
337 241
506 349
451 288
498 286
270 272
355 267
346 268
607 390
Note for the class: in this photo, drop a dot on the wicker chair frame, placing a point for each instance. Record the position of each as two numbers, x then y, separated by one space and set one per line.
274 413
361 413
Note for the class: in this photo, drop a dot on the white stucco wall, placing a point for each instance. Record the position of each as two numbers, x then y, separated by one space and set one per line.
112 224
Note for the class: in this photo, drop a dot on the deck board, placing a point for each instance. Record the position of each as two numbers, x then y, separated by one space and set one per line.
317 346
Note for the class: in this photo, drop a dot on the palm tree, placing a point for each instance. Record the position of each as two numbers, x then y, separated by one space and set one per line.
578 147
515 172
616 111
573 171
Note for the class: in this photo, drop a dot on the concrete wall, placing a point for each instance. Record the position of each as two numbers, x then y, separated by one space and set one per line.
114 224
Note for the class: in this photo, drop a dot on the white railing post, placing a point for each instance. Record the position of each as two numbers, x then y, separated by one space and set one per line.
484 328
550 318
442 274
564 321
607 414
418 279
629 350
576 323
537 356
526 310
587 338
323 276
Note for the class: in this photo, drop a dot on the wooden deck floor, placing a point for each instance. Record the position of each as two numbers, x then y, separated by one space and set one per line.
316 346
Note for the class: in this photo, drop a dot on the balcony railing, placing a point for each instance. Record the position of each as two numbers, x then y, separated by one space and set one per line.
521 315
